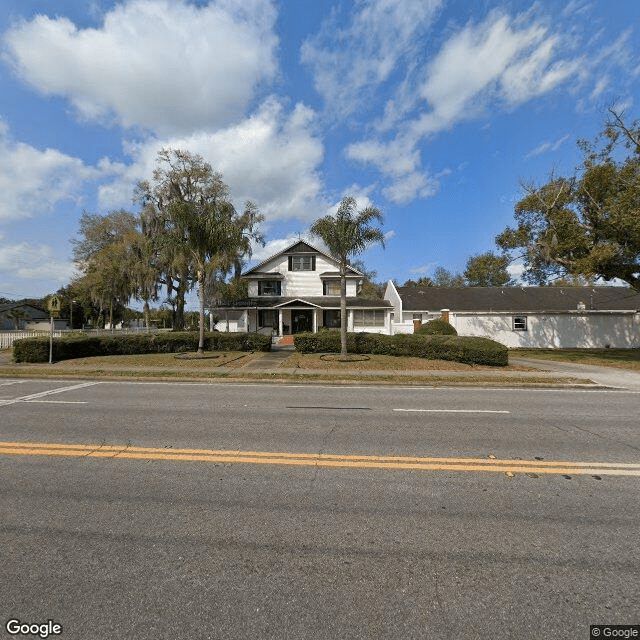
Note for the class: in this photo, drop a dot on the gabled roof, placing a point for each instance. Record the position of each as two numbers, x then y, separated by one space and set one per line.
300 247
10 306
519 299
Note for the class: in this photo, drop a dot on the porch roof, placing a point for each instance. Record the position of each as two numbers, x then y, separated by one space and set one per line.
336 274
321 302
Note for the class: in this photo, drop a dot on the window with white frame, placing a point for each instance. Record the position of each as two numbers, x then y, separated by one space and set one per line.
368 318
302 263
331 287
269 287
519 323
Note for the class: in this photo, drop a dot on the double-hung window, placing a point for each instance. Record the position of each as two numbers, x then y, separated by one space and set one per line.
519 323
368 318
302 263
269 287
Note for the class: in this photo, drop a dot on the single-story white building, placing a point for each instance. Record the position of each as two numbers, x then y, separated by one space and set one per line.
534 317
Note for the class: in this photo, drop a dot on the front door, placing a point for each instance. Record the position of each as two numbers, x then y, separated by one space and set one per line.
301 321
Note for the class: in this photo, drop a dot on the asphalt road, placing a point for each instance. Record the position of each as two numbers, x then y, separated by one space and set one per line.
274 511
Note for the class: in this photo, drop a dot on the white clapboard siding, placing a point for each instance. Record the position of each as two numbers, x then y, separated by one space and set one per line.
300 283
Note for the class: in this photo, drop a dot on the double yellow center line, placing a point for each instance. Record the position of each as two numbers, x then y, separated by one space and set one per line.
492 465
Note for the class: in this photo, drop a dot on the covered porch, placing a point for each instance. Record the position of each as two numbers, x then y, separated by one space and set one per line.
290 316
295 317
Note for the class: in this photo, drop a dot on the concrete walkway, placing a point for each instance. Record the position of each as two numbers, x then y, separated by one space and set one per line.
270 359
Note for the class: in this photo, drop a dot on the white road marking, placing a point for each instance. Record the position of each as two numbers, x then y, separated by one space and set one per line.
6 384
451 411
56 401
42 394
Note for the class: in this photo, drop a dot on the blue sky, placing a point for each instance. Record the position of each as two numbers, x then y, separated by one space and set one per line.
432 110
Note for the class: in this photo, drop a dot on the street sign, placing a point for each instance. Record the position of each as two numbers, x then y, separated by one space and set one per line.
54 305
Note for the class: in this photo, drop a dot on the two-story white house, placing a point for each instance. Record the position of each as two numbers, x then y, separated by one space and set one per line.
298 290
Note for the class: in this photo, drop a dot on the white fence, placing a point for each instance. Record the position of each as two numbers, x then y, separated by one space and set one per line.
7 337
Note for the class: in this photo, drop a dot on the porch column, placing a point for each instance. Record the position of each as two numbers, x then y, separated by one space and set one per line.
315 320
280 332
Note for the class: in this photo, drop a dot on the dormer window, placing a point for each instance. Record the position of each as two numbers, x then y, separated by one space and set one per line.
269 287
302 263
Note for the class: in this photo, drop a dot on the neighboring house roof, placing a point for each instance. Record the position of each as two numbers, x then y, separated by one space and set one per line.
35 312
297 247
322 302
519 298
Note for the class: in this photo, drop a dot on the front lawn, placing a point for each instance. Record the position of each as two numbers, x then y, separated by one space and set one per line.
620 358
211 360
385 363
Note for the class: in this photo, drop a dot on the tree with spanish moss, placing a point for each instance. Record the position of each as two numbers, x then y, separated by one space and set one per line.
195 228
188 214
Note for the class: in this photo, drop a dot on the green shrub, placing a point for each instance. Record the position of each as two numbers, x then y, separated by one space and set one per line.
67 348
437 327
469 350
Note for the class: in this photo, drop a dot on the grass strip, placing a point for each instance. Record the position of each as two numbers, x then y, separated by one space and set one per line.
310 378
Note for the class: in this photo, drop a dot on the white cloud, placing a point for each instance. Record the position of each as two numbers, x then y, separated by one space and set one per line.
498 63
33 181
399 162
32 262
515 271
494 60
276 245
347 61
422 270
271 158
164 65
547 147
601 85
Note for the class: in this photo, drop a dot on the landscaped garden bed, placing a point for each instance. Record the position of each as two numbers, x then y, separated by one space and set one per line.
37 349
468 350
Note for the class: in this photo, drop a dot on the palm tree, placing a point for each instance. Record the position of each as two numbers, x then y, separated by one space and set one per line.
348 233
214 235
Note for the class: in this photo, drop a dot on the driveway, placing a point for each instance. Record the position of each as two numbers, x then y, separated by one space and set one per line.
606 376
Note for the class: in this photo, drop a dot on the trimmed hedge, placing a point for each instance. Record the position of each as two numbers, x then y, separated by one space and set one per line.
470 350
437 327
37 349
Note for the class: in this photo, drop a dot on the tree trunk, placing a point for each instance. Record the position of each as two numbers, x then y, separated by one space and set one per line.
343 312
180 294
146 315
201 294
